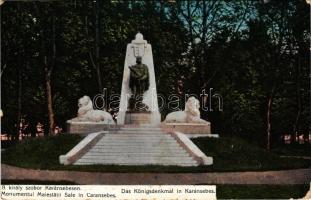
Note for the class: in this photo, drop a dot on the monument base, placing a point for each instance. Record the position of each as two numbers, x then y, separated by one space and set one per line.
136 145
188 128
137 117
75 127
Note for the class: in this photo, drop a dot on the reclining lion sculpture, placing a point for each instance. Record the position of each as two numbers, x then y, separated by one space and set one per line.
86 112
191 114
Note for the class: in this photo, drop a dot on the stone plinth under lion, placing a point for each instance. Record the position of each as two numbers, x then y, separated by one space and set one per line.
188 121
88 119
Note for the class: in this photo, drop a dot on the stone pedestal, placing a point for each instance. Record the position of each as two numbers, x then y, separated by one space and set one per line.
188 128
87 127
191 130
137 117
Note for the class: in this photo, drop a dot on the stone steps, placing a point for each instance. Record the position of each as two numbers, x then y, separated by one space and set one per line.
137 157
145 132
131 154
140 161
134 140
138 133
124 141
136 163
138 128
134 148
149 152
137 137
137 146
137 143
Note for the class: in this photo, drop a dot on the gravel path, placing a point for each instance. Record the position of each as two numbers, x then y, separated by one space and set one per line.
296 176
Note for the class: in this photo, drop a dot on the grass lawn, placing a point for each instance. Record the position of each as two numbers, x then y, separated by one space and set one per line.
261 191
230 154
293 149
235 154
40 153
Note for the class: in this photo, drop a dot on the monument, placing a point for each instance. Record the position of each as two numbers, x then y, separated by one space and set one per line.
137 111
138 138
89 120
188 121
138 86
86 112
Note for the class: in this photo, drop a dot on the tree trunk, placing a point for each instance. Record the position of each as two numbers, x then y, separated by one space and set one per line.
97 65
298 96
48 55
50 103
99 79
49 66
94 59
269 106
19 95
19 104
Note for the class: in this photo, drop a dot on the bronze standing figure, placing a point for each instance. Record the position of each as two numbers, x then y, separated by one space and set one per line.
139 83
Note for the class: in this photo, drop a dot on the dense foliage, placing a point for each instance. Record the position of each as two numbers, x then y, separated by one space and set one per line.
254 54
